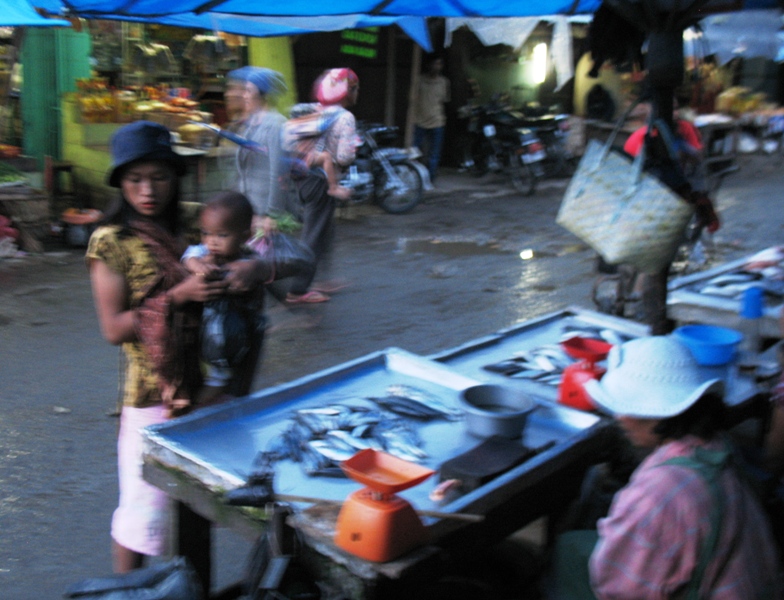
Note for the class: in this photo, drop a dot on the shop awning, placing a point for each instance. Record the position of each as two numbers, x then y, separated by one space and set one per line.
258 26
255 25
20 13
422 8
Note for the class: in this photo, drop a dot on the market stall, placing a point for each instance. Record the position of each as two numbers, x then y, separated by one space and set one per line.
715 296
24 207
201 456
95 112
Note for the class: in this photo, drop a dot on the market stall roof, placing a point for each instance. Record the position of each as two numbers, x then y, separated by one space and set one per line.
20 13
243 24
422 8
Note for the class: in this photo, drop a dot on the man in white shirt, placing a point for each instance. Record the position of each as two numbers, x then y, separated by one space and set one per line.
429 114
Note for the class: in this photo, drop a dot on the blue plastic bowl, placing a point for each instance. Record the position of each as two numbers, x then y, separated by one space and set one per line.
710 345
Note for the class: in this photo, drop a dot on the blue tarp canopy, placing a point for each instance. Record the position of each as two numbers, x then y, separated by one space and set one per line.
258 25
20 13
421 8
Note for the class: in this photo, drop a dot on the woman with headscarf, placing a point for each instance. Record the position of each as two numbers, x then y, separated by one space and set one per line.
261 173
687 524
335 91
150 305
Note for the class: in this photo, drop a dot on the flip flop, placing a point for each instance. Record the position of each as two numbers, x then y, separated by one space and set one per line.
329 287
311 297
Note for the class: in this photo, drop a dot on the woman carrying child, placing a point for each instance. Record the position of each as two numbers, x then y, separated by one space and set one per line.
336 90
148 303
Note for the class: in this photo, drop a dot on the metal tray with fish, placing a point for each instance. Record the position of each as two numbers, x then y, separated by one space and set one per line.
529 356
714 296
474 358
217 446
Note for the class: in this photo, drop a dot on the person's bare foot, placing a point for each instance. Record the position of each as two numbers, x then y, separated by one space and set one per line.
340 192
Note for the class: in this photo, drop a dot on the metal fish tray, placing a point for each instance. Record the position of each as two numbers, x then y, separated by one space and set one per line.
473 358
216 446
687 301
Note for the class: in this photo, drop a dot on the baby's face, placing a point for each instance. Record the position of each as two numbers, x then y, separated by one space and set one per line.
223 242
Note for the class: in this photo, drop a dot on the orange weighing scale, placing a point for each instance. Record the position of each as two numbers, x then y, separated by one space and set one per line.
590 351
374 523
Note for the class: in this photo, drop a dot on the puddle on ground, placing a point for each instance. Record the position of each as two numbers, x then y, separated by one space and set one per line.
462 247
452 248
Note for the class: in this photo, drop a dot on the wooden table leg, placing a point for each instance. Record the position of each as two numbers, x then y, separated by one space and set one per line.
194 541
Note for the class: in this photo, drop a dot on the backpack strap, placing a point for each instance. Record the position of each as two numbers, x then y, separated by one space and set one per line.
709 464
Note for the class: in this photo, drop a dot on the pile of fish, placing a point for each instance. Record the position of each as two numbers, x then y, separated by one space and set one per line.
320 438
546 364
732 285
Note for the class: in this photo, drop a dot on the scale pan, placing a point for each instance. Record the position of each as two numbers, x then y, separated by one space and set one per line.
383 472
586 348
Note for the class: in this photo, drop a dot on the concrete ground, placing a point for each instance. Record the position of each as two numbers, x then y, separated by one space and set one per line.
447 273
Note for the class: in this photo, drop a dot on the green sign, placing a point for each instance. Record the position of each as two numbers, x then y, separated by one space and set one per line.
360 42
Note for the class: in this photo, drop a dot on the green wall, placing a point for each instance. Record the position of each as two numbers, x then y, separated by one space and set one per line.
275 53
53 58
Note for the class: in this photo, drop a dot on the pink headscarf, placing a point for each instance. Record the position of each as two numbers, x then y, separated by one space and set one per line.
333 86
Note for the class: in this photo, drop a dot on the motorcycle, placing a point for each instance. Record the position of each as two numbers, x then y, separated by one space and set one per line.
499 143
553 131
382 173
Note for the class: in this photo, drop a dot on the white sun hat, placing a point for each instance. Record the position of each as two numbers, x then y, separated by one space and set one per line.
651 377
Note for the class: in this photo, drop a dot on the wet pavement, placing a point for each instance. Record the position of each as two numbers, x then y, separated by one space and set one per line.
473 258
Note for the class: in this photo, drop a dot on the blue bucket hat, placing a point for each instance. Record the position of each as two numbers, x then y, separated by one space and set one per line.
142 140
266 80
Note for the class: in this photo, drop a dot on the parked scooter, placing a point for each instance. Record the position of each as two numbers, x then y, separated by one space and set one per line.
498 142
553 130
382 173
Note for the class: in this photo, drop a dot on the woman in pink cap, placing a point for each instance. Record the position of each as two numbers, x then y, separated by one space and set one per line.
335 90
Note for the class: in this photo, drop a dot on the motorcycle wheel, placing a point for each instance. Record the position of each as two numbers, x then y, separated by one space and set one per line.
523 177
400 201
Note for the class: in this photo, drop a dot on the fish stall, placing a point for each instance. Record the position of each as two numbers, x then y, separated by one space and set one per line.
468 482
714 296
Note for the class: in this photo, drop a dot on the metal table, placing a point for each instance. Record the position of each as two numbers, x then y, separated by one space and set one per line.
197 457
686 302
742 392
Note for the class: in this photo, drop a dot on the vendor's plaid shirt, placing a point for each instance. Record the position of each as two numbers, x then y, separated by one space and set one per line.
650 543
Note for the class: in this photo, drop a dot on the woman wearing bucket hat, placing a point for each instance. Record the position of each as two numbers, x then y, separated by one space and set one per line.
149 304
686 525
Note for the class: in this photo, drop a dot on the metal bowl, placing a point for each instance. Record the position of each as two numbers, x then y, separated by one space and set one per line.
496 410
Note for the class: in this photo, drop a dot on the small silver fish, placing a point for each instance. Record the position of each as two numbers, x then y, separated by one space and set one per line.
344 437
533 374
330 451
612 337
725 291
732 278
423 397
404 451
552 379
402 437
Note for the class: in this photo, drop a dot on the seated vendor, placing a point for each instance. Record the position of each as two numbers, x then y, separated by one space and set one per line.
686 525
